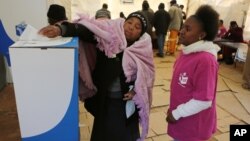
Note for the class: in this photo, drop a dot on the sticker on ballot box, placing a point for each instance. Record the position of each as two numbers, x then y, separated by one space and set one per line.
20 28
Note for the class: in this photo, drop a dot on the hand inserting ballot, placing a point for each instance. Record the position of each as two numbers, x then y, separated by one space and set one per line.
50 31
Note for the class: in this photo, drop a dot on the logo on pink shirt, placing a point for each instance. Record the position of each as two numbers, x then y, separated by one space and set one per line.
183 78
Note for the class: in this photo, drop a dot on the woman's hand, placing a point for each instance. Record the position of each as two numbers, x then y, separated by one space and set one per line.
50 31
129 95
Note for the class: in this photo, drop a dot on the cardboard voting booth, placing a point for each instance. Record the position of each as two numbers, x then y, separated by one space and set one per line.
45 78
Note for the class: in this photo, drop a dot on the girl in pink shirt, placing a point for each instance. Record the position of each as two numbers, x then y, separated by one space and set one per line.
222 30
192 112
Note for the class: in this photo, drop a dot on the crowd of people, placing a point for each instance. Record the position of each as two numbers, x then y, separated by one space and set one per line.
124 45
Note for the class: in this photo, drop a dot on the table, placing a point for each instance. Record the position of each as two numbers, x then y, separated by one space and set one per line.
219 40
233 45
241 49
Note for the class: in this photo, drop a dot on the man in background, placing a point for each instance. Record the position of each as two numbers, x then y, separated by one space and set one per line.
103 13
161 23
234 33
149 9
56 14
150 17
174 27
184 16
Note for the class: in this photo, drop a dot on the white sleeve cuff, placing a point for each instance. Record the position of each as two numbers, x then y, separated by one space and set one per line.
176 114
190 108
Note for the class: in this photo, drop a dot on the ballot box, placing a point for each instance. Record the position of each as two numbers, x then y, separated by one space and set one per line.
45 79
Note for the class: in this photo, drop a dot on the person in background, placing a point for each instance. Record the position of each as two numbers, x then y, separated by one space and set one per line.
174 27
246 70
221 32
192 111
161 23
124 56
222 29
122 15
103 13
149 9
56 14
184 16
234 33
150 17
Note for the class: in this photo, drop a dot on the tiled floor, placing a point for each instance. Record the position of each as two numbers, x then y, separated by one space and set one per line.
233 105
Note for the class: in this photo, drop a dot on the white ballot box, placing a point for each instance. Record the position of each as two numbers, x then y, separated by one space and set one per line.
45 78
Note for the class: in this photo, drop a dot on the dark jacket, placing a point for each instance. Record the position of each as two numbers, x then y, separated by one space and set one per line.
106 69
161 21
105 72
234 34
150 17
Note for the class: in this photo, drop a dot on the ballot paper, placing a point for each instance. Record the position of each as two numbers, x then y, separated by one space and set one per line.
130 105
130 108
31 34
31 38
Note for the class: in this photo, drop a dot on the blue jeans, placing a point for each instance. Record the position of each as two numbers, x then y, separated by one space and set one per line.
160 42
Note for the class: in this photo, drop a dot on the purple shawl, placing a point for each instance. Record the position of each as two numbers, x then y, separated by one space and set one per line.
87 60
137 61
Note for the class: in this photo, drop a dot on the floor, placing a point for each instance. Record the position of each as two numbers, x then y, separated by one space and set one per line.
233 105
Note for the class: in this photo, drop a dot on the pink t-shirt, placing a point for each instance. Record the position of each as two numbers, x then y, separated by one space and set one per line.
221 32
194 76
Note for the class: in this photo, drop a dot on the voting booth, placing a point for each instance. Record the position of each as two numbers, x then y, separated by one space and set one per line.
45 78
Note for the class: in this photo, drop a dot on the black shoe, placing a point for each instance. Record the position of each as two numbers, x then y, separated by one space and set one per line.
159 55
